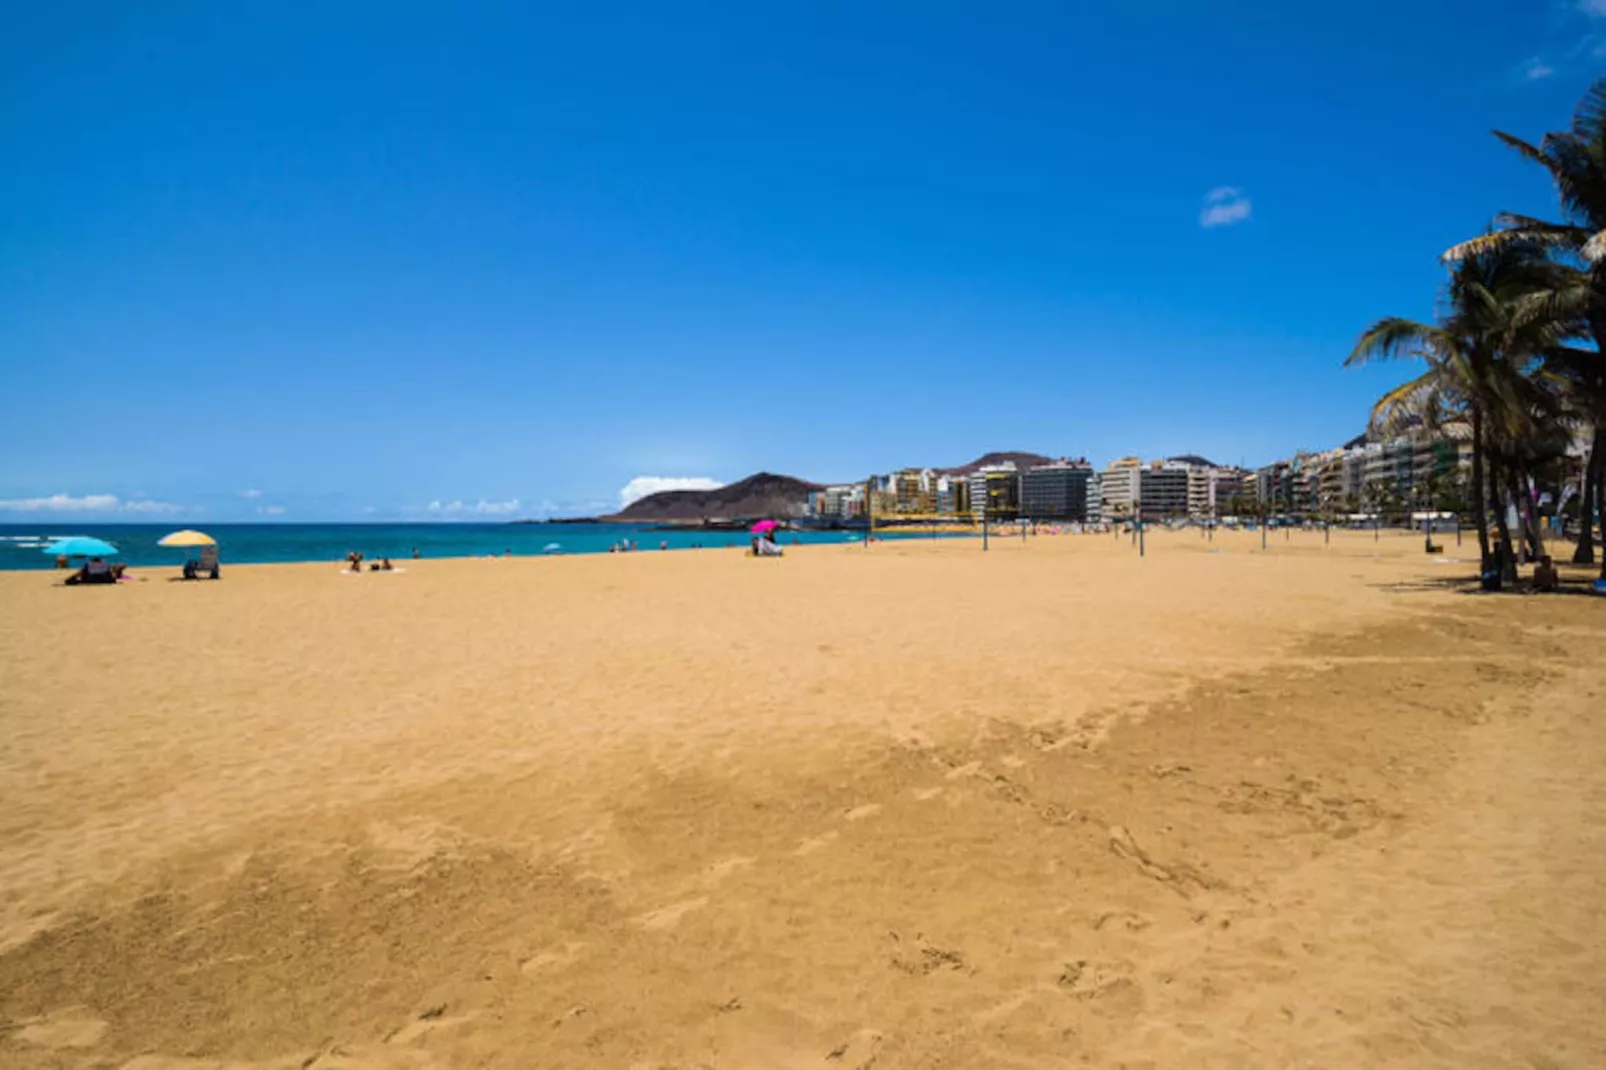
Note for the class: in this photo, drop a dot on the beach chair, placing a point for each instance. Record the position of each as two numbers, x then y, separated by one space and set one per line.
206 566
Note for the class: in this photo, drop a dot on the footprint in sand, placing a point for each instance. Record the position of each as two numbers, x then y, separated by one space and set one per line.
1119 919
859 813
724 868
968 769
426 1023
552 959
814 843
858 1052
62 1029
1083 980
668 917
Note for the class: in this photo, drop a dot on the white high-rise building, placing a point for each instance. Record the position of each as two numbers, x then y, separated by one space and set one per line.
1119 488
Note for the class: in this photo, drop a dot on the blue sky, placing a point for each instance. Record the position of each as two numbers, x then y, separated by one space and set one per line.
345 261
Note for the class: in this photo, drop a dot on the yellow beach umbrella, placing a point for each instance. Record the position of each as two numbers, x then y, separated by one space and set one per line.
187 538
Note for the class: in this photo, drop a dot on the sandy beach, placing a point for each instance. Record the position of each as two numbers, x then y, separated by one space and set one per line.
905 806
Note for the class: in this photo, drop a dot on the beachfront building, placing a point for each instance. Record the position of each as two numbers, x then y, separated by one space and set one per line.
1212 489
1163 489
1414 468
880 495
1056 492
1095 502
995 492
1274 487
837 502
1118 488
1386 470
914 491
1201 486
1337 473
953 495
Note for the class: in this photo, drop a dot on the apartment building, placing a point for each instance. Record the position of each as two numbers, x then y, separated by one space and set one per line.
838 502
914 490
953 495
1163 489
995 492
1119 488
1056 492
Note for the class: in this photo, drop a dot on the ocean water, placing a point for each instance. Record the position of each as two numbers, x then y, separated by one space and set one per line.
22 545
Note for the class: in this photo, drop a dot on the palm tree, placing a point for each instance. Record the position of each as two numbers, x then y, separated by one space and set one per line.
1480 357
1576 161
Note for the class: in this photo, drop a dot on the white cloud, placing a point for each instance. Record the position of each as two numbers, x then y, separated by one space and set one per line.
151 507
1224 206
250 495
1594 8
642 486
1534 69
89 503
60 503
271 510
479 508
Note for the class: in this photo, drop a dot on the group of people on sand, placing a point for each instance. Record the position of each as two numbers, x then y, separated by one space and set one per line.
625 546
355 559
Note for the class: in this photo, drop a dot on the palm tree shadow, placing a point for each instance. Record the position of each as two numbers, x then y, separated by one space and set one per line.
1469 585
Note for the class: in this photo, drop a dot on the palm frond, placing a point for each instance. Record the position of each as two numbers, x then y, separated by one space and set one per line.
1530 151
1589 119
1594 247
1397 338
1541 232
1419 402
1483 243
1576 169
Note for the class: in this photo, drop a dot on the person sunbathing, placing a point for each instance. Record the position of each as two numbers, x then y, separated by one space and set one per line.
95 570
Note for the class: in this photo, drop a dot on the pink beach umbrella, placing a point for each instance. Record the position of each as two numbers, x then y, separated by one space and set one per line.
765 525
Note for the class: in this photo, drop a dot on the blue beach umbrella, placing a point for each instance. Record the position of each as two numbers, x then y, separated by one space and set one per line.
81 546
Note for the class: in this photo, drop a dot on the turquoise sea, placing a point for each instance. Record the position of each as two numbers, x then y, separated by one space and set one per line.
21 545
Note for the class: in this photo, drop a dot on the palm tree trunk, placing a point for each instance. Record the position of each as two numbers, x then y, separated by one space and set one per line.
1508 560
1513 494
1600 506
1521 481
1585 553
1480 500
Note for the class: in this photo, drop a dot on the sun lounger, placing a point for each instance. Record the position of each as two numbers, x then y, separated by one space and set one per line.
206 567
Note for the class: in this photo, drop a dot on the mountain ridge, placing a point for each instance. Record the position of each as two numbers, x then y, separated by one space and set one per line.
762 494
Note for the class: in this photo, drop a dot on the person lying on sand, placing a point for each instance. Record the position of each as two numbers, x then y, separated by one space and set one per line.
95 570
